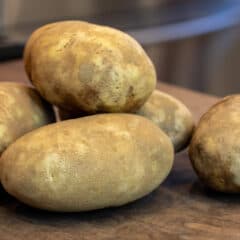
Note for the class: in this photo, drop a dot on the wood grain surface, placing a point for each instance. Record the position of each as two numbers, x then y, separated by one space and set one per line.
181 208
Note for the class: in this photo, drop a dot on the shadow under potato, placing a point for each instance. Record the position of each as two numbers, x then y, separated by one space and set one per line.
5 198
200 190
148 205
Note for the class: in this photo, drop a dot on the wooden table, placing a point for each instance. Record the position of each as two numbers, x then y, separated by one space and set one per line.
181 208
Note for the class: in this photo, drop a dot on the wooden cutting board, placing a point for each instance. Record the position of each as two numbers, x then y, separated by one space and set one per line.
181 208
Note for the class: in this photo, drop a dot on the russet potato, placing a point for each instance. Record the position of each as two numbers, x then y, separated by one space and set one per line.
88 163
21 110
171 115
79 66
215 146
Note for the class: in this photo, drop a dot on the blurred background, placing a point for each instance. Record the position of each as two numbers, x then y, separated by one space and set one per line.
193 43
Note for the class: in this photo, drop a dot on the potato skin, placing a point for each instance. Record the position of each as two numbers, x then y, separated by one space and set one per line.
167 112
88 163
21 110
81 66
27 50
214 150
171 116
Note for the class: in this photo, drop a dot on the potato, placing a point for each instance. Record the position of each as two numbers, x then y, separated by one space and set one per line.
167 112
21 110
171 116
88 163
215 147
86 67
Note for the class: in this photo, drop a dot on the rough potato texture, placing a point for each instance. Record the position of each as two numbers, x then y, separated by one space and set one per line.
167 112
81 66
215 147
88 163
21 110
171 116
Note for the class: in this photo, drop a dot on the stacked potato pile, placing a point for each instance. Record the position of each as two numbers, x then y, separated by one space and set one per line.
122 151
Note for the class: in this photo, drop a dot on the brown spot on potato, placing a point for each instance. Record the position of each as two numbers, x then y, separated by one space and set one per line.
90 95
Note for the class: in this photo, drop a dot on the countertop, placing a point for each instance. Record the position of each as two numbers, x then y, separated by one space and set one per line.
181 208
